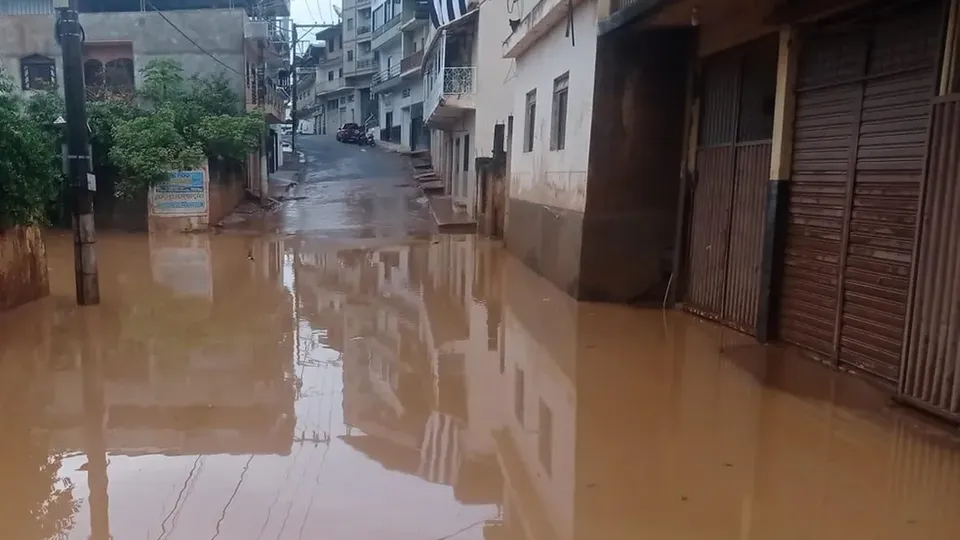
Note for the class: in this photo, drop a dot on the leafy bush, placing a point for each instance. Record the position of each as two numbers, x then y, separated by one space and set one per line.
181 122
29 167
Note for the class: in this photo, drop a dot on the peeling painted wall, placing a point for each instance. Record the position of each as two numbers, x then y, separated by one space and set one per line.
23 267
555 178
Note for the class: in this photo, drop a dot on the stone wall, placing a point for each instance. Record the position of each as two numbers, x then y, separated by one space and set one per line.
23 267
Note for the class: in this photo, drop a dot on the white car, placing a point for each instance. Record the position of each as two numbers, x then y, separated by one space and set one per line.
286 147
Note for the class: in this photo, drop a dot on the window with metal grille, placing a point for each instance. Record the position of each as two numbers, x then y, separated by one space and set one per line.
466 152
531 117
349 24
350 55
38 72
558 120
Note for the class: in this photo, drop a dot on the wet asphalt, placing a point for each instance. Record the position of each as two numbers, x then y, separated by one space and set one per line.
336 370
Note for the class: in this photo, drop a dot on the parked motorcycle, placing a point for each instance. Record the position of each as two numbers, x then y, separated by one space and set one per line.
368 140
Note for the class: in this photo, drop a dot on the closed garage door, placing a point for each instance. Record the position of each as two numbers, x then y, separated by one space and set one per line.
864 88
733 165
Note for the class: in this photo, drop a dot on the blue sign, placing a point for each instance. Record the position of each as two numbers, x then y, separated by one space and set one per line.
183 194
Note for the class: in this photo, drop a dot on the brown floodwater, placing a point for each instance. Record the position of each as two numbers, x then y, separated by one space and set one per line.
252 387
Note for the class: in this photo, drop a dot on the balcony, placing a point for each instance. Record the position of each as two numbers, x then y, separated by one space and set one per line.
366 64
363 31
386 79
386 33
415 15
363 3
327 87
265 97
542 17
411 64
448 94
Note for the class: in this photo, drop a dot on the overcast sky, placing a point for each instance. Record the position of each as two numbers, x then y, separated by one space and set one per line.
313 12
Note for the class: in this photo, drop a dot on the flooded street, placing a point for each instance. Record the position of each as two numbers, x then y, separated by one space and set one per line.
343 374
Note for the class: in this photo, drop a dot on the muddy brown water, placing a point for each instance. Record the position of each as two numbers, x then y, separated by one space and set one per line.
263 387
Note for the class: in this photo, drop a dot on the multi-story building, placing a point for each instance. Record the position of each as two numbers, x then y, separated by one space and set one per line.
343 74
250 47
400 32
467 87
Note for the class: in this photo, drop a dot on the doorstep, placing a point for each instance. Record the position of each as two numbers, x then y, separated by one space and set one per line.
448 217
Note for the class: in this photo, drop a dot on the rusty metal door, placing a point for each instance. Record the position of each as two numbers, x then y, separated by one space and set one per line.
733 164
862 110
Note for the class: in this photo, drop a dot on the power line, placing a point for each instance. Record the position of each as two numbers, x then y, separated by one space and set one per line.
190 39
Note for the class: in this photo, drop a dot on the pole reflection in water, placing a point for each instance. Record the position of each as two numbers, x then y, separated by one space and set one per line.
94 415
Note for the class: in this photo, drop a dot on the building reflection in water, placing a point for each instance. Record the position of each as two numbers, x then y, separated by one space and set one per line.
468 377
170 364
587 421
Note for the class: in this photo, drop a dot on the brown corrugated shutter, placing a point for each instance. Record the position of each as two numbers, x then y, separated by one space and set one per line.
861 119
733 165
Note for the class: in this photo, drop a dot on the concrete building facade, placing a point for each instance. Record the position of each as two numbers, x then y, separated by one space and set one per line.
250 48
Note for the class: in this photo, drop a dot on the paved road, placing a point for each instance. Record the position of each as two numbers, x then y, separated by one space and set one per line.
353 192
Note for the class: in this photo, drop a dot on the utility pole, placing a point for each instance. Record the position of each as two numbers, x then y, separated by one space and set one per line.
69 35
295 89
295 83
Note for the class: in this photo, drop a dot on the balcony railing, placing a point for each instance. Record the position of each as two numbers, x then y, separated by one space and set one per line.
363 3
363 29
459 80
386 74
448 81
330 86
387 25
265 95
364 64
411 62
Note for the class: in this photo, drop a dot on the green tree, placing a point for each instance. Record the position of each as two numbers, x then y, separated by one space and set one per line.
183 121
29 168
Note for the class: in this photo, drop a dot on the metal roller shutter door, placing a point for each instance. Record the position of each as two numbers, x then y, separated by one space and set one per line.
863 95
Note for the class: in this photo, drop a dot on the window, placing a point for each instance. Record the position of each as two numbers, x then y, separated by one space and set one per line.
349 24
350 55
558 120
330 75
340 73
531 117
38 72
545 438
456 155
518 396
350 98
466 152
365 47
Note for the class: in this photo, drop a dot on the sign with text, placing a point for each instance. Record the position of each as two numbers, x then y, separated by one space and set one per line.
183 194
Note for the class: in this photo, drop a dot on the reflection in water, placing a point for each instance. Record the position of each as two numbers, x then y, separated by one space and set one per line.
237 387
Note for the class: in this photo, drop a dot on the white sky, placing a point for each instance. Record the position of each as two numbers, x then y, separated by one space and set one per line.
313 12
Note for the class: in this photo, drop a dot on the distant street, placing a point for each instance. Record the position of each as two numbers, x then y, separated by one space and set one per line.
354 192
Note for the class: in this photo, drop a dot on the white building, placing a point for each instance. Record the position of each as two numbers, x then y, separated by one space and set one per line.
400 32
467 92
344 73
553 99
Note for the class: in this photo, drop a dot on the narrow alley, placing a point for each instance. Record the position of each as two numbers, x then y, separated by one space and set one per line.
341 373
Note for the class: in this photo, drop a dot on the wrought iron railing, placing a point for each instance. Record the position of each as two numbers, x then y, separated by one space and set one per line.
386 74
365 64
459 80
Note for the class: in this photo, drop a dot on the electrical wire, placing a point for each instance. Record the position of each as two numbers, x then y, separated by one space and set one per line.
190 39
223 513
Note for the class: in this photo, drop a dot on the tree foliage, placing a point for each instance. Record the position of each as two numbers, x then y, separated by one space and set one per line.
29 166
182 120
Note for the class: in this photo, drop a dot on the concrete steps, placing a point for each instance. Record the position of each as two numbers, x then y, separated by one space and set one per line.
448 217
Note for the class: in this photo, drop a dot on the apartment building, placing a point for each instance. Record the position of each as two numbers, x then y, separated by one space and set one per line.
345 70
400 32
467 88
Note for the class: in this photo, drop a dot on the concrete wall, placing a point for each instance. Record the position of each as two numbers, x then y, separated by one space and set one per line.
555 178
151 38
23 267
547 193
